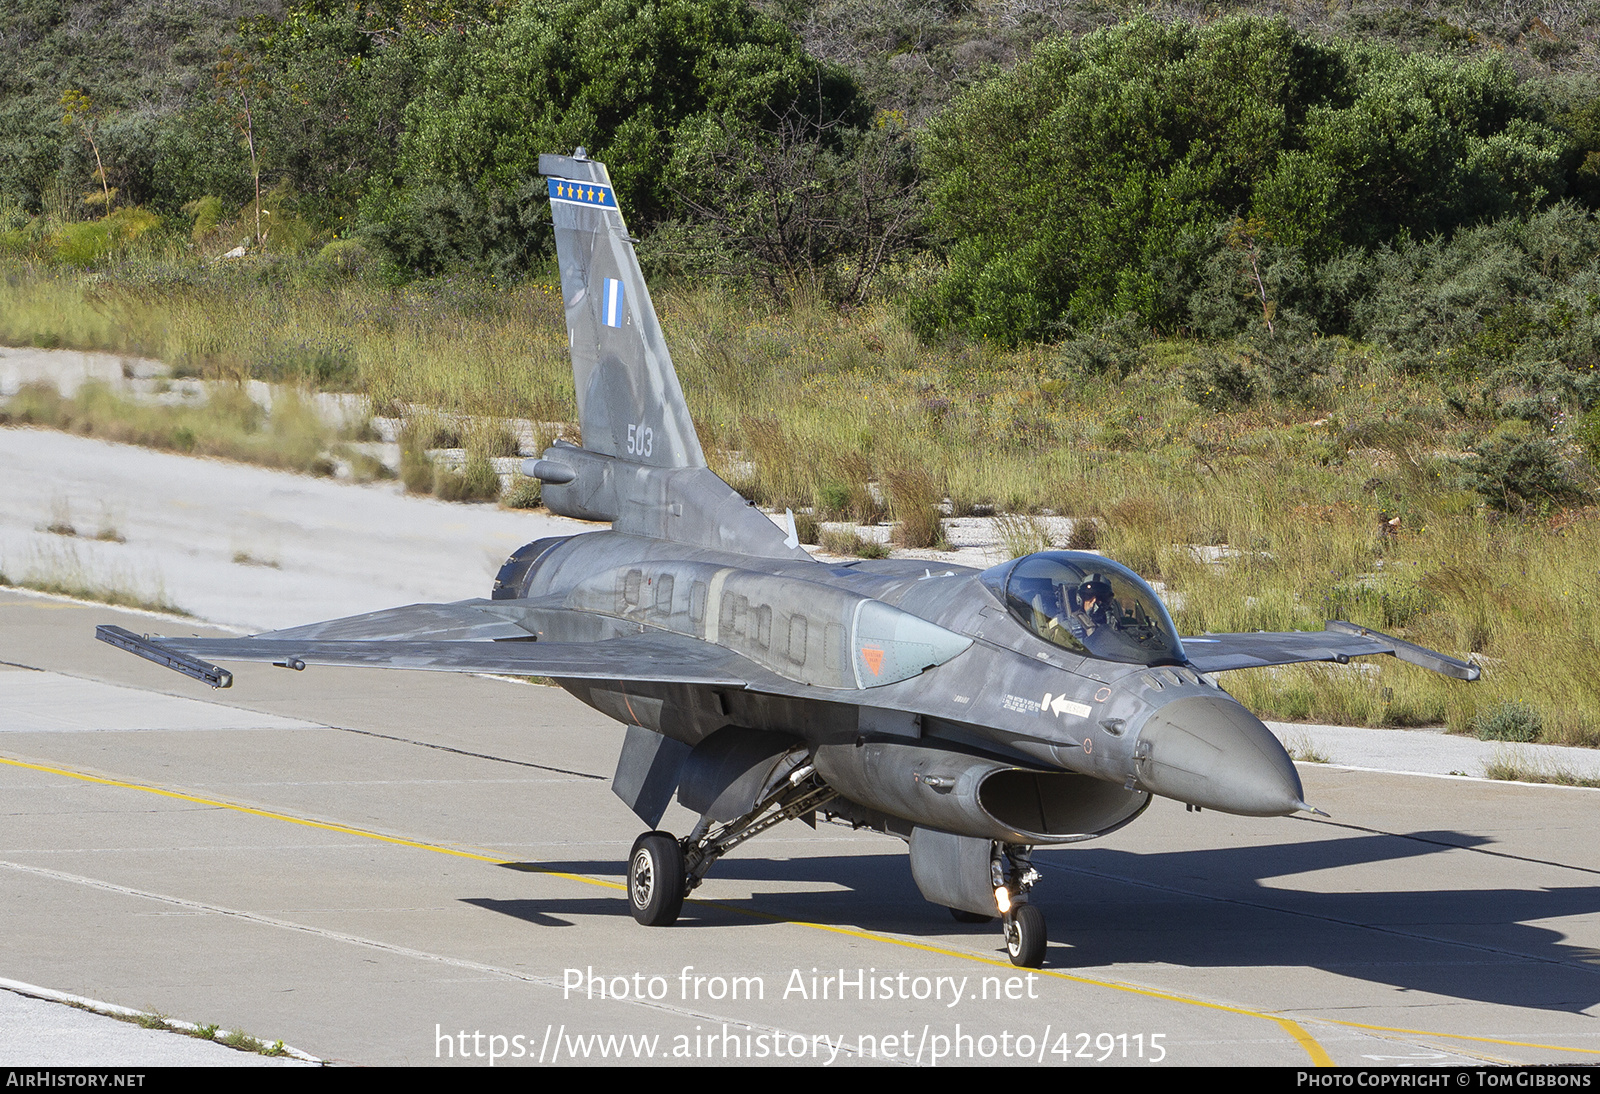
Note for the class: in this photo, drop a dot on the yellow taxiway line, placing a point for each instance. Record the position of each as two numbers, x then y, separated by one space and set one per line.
1319 1056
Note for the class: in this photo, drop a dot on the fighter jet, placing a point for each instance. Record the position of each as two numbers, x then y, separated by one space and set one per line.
978 715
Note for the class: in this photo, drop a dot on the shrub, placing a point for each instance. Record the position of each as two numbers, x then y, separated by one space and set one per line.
207 213
1218 380
1515 474
1111 349
476 481
416 469
850 543
91 243
1292 367
1587 434
839 542
524 494
645 87
1020 534
343 258
1089 179
1511 721
1085 534
833 498
328 366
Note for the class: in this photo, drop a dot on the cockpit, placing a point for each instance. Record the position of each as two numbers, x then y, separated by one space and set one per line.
1089 605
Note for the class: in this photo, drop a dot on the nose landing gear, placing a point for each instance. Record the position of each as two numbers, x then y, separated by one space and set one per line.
1023 923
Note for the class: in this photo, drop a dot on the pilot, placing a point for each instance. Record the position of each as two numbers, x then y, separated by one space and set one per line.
1094 598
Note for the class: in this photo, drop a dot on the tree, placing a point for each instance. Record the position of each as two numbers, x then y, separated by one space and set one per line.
1090 180
240 85
80 112
631 81
1245 238
805 203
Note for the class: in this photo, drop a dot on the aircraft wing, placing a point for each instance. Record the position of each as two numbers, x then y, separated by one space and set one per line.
655 656
480 620
1338 641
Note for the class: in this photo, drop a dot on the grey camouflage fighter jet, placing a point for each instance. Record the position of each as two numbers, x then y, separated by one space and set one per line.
977 715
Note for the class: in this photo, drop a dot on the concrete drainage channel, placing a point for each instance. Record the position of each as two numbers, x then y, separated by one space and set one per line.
48 1028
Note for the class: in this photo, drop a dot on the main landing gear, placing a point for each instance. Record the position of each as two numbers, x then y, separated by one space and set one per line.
663 870
657 881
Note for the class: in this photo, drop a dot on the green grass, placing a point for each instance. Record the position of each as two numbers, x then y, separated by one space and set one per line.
242 1041
154 1019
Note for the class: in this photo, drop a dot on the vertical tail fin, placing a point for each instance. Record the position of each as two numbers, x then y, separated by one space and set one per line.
630 405
641 466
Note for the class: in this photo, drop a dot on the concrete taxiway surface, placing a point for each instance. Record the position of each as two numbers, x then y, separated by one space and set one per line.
238 545
385 867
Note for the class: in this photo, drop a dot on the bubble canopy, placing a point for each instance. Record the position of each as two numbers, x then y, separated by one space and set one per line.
1089 605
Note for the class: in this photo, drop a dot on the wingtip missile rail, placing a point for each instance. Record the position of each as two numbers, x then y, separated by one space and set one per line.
151 650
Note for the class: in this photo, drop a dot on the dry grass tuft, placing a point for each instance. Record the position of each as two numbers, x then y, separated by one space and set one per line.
1021 534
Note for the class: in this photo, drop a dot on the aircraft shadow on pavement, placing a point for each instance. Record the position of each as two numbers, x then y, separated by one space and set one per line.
1208 908
1214 908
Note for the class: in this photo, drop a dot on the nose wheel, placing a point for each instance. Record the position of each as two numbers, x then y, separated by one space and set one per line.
1011 870
1025 936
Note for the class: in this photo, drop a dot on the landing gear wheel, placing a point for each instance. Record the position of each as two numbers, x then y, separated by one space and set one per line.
1025 936
961 915
656 879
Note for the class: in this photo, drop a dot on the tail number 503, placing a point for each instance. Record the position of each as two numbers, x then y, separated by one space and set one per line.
641 440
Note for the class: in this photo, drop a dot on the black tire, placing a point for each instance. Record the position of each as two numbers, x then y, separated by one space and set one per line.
961 915
656 879
1026 937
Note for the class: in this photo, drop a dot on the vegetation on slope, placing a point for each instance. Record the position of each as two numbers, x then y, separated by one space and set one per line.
1303 313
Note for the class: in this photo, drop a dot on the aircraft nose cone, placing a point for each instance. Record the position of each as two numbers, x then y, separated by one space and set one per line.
1213 753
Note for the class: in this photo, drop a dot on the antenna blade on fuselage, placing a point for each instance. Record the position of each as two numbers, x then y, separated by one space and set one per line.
630 405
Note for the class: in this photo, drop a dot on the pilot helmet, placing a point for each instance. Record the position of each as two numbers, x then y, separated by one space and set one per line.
1095 587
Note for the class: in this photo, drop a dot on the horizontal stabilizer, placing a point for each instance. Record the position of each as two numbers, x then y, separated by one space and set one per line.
1339 642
